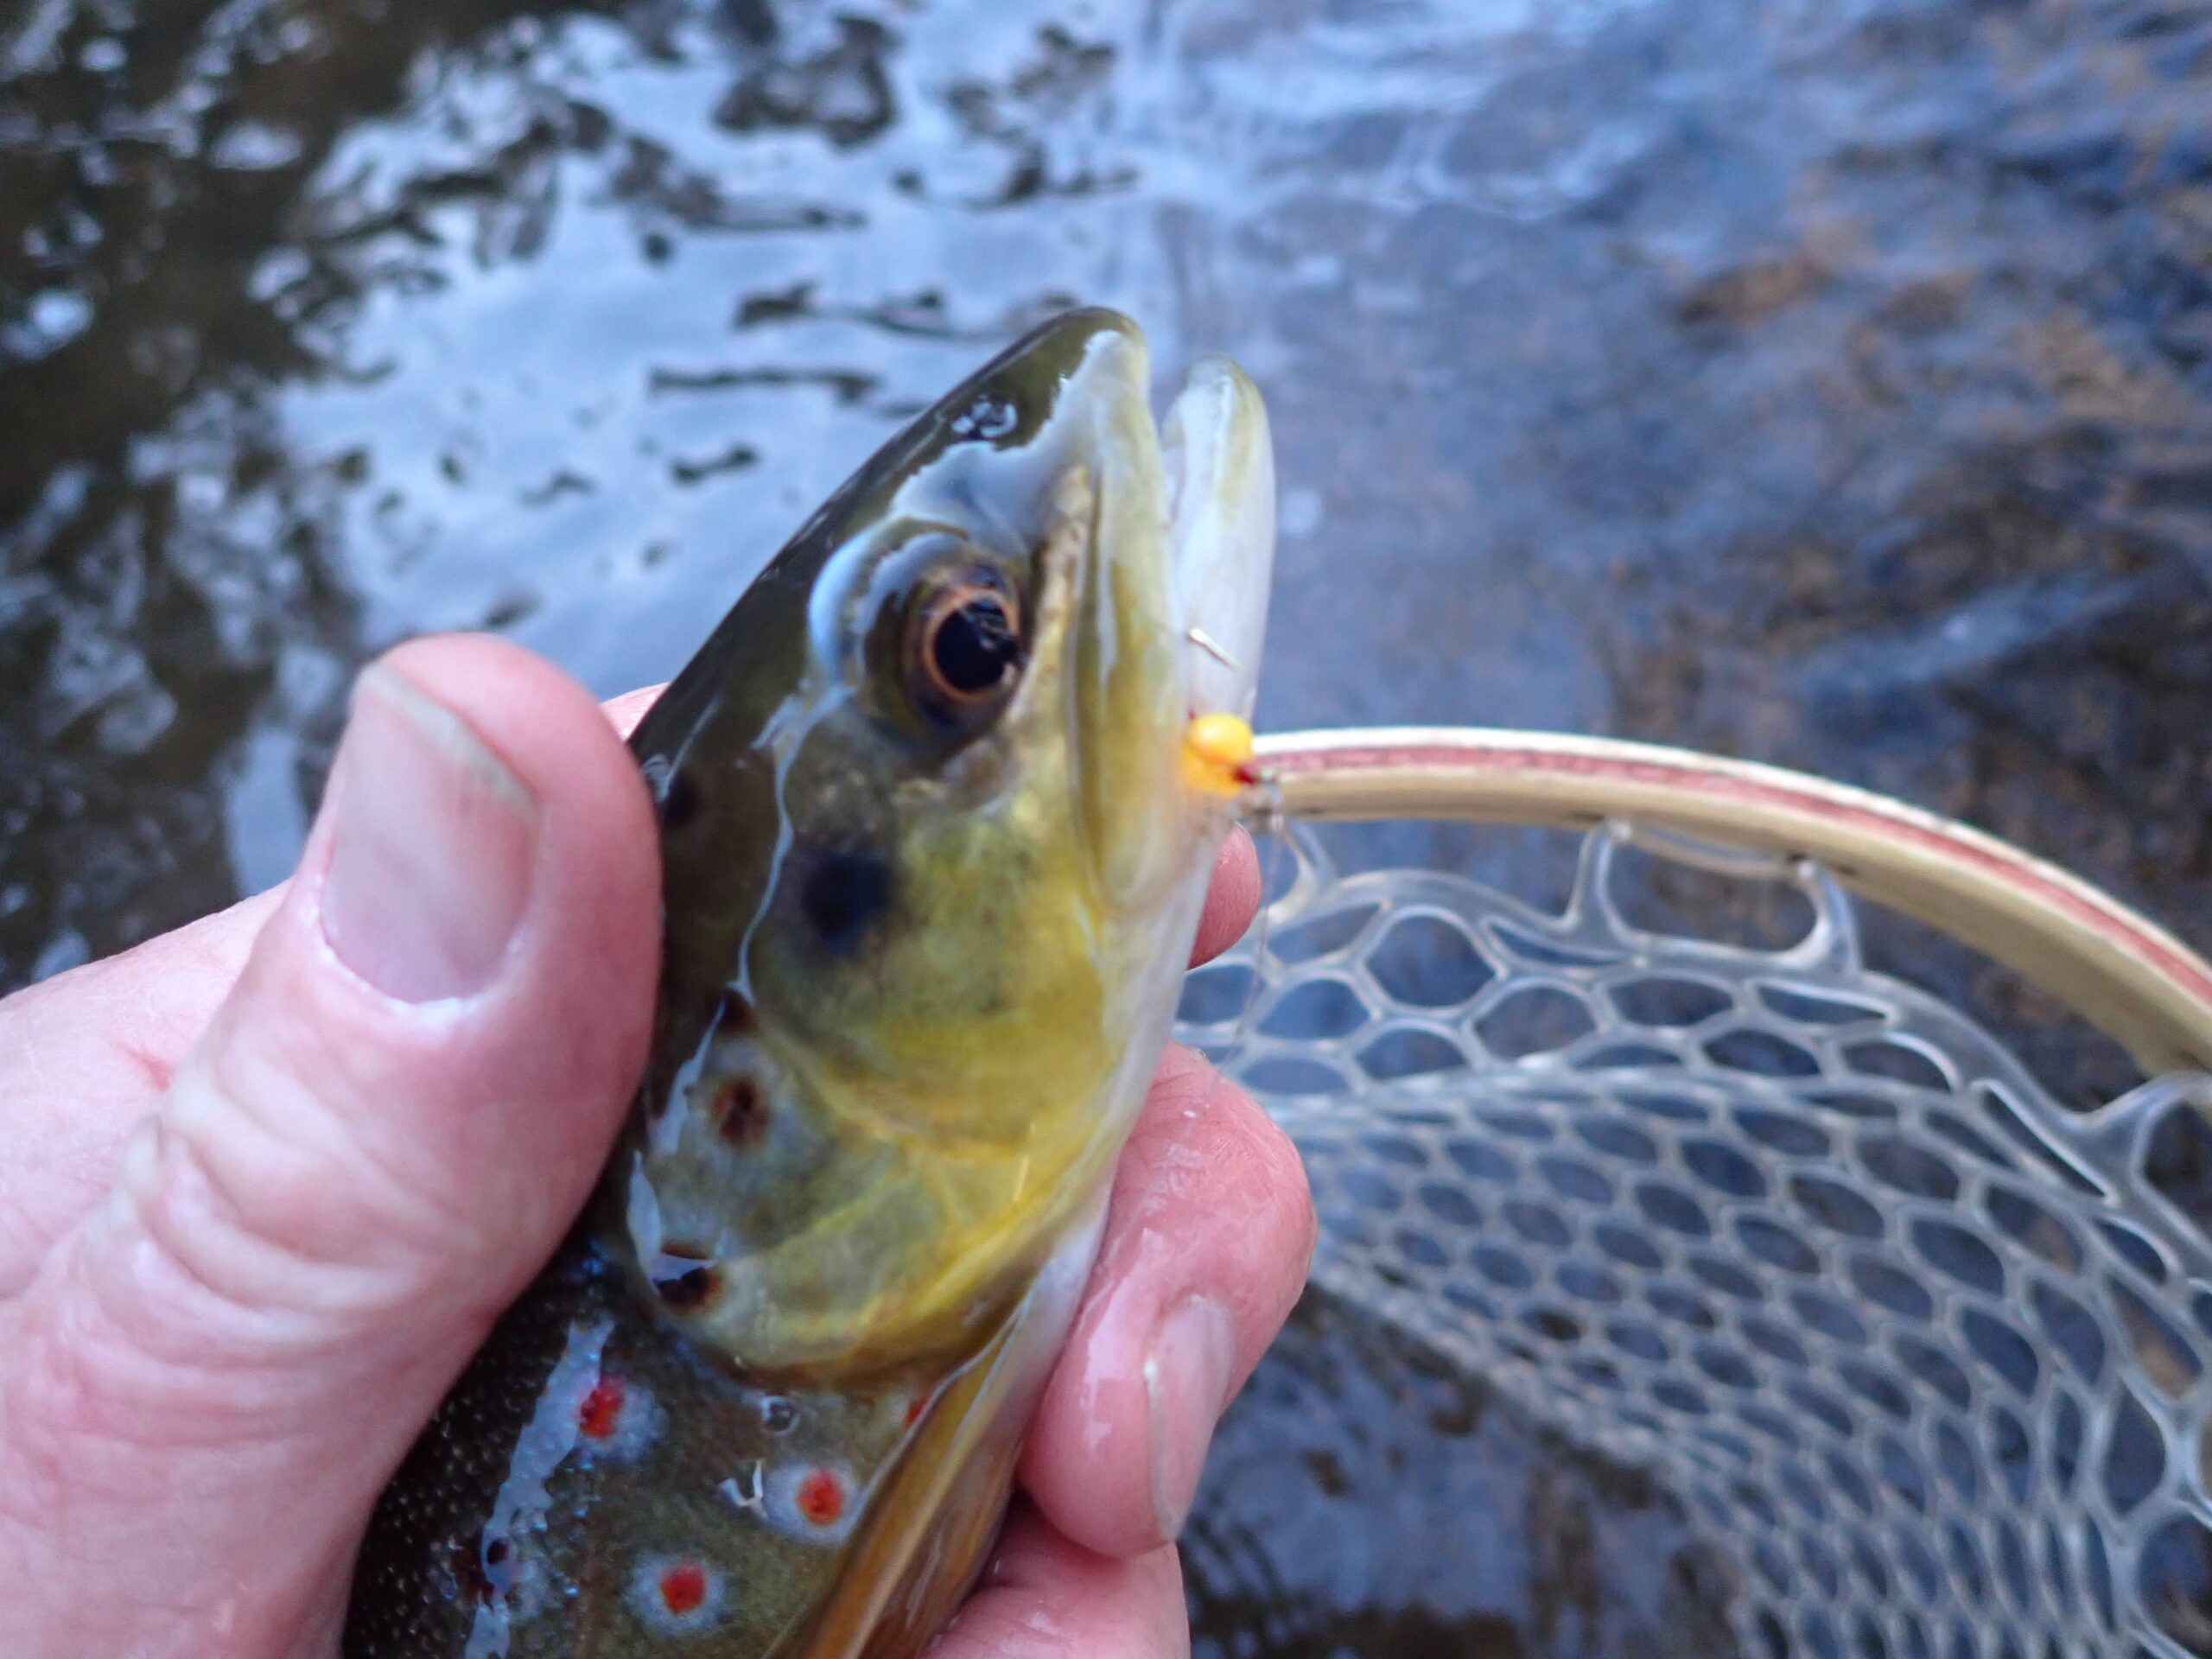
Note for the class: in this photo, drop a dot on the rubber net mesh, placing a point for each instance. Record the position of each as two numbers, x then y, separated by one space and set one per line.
1923 1351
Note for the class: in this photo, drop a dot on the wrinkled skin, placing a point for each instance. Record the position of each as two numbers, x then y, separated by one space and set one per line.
214 1394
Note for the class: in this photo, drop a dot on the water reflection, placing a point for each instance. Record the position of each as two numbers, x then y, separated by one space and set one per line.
1828 384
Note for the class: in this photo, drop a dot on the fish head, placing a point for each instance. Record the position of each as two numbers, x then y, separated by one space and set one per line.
933 858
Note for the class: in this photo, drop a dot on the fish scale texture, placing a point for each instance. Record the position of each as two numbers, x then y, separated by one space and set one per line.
1923 1353
591 1489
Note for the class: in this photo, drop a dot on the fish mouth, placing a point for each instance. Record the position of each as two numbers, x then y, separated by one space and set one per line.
1174 605
1218 460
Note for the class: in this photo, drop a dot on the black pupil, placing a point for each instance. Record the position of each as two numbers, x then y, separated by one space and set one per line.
974 646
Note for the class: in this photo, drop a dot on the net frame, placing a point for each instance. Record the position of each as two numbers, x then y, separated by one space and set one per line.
2117 970
2123 973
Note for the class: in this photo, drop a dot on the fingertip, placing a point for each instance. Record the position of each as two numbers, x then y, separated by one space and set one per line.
624 712
1206 1250
1232 897
537 718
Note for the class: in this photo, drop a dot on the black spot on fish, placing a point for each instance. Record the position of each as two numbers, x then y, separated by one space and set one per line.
741 1111
733 1016
679 799
465 1562
845 892
687 1287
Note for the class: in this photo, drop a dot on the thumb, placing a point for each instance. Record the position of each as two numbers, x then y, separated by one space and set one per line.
382 1134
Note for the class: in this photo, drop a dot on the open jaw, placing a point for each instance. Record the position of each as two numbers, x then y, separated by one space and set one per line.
1174 604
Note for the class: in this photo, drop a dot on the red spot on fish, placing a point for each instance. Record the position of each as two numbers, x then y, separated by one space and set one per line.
916 1407
683 1587
821 1498
602 1410
467 1562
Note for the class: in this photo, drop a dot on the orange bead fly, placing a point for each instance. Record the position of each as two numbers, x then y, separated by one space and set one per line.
1217 755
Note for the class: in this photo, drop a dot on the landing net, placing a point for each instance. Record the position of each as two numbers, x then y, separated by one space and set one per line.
1922 1352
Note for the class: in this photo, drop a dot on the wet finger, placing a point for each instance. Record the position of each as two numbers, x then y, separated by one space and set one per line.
1206 1250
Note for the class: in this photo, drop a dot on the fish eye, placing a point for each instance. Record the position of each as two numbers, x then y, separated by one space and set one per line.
965 648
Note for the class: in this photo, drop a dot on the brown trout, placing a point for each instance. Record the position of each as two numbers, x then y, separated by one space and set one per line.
935 832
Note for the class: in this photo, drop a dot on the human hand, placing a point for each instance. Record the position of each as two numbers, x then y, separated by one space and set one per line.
266 1181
